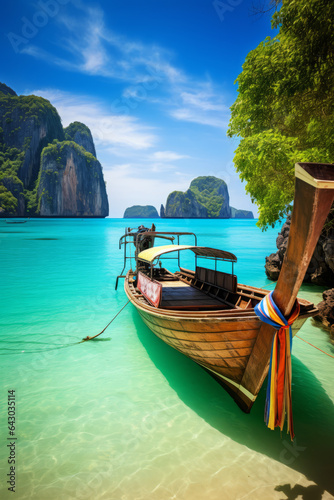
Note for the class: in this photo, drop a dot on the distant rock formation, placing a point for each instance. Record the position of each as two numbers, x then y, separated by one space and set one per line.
241 214
321 267
184 205
141 212
30 128
207 197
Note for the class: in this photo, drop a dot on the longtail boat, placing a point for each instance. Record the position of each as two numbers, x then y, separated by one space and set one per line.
16 221
205 313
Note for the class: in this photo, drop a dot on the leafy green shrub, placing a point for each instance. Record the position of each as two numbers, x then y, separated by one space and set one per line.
8 202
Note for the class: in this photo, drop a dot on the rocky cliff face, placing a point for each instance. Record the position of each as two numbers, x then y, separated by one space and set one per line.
326 312
141 212
28 124
184 205
80 133
71 183
30 128
212 193
206 197
321 268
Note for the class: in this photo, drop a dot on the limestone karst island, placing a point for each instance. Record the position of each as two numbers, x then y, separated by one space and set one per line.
47 170
206 198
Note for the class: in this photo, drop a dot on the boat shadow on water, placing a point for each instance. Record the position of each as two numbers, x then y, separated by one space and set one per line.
311 453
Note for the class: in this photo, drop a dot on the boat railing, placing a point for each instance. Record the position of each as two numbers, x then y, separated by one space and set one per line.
135 237
165 235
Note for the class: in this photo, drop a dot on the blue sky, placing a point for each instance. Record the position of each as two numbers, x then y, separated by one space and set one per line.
153 79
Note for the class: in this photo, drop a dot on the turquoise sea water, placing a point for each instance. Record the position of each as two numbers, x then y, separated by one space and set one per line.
126 417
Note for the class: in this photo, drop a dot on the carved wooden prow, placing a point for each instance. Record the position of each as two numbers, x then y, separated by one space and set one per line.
314 195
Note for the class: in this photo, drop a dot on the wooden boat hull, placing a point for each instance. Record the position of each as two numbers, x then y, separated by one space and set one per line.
219 341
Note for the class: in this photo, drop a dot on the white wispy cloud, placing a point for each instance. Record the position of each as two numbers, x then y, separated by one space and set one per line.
91 47
201 103
205 100
195 116
108 130
150 190
167 156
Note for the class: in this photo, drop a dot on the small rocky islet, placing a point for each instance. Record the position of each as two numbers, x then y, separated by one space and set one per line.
141 212
206 198
46 170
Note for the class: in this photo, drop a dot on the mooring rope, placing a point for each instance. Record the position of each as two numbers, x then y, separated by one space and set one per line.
315 347
90 338
278 400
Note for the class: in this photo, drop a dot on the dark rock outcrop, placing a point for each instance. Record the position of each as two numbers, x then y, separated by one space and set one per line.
321 268
326 311
141 212
80 133
241 214
30 131
6 90
71 183
162 211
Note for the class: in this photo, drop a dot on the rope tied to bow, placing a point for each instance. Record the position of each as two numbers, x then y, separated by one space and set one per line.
278 398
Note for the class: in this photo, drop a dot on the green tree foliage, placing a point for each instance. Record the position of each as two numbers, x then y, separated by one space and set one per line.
8 202
58 150
75 127
284 112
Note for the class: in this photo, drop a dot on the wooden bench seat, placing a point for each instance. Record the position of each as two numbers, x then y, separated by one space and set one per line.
180 295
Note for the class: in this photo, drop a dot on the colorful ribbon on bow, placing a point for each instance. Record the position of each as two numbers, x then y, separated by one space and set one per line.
278 400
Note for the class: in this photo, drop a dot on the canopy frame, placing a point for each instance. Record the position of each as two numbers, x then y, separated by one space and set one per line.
133 236
152 255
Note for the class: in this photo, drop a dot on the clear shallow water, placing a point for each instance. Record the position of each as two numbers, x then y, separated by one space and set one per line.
126 417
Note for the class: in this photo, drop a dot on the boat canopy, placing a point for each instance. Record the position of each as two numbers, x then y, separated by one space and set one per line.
153 253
